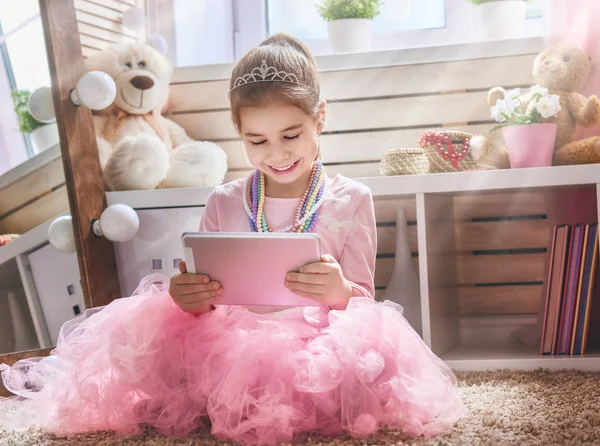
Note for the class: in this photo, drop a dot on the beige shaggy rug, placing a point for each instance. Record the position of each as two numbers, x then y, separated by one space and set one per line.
505 408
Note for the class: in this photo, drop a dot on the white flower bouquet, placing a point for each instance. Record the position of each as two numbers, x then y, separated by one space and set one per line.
531 108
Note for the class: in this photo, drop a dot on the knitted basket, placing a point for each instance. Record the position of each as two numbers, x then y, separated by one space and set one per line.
448 151
404 162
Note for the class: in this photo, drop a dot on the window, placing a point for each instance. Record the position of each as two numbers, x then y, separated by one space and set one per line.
23 66
218 31
207 32
401 24
301 19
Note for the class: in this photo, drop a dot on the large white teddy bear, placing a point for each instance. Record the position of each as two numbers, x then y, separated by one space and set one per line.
138 147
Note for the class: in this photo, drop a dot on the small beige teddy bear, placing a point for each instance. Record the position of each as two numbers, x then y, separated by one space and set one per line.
138 147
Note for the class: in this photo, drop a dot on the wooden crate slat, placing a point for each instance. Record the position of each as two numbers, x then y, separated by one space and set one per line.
103 34
417 79
30 187
115 5
484 236
384 268
358 147
514 204
513 268
87 51
468 207
496 300
98 10
487 269
386 239
100 22
500 300
519 234
92 42
46 207
386 209
423 111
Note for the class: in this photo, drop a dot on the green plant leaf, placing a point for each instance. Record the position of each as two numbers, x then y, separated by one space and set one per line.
27 123
349 9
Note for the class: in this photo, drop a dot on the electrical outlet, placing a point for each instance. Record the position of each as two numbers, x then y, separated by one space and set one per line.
156 265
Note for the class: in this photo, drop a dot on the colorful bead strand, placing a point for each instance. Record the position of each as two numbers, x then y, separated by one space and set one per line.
307 212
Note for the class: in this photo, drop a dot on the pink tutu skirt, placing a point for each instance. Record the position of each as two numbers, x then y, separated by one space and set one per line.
252 378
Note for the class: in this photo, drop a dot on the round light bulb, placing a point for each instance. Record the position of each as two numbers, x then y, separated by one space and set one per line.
158 42
96 90
41 106
119 223
134 18
60 234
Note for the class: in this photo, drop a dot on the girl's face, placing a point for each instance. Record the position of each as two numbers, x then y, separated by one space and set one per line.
282 142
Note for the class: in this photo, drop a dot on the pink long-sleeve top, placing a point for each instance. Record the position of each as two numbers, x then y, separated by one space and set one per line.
346 224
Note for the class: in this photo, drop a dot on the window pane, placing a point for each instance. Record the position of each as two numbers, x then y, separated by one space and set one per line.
24 66
534 9
198 32
26 47
301 18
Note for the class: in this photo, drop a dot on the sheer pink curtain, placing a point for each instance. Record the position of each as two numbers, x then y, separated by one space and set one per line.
577 22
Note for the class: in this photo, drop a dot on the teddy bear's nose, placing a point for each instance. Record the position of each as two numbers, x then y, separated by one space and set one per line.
142 82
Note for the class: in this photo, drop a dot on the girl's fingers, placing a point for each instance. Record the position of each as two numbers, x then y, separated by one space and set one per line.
200 298
305 287
182 267
316 279
316 268
198 288
312 296
192 279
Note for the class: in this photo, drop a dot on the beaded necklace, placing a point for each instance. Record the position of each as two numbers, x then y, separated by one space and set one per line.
306 213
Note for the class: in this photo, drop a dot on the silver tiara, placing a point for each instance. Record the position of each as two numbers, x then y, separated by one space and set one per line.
265 73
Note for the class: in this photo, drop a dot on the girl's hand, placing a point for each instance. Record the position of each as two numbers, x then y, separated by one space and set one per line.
321 281
193 293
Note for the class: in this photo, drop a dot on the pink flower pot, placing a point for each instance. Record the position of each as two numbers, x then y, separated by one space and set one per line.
530 145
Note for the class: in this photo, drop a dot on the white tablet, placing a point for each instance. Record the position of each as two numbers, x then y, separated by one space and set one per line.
251 267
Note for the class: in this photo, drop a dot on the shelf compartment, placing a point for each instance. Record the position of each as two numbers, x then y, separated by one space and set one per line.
516 356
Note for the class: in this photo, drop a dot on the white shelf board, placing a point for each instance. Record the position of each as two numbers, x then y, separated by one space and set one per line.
29 166
160 198
515 356
478 181
397 186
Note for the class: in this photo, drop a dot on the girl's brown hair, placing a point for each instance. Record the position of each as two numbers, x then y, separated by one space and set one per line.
287 54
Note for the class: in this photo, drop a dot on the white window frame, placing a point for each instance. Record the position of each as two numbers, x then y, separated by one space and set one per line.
250 27
459 28
15 147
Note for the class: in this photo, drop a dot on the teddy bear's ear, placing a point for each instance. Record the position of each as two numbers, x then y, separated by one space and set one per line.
536 63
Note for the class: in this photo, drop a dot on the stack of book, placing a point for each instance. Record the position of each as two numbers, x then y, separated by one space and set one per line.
569 289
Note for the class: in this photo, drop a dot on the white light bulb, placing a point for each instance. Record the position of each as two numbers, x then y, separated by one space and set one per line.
118 223
60 234
134 18
41 106
96 90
